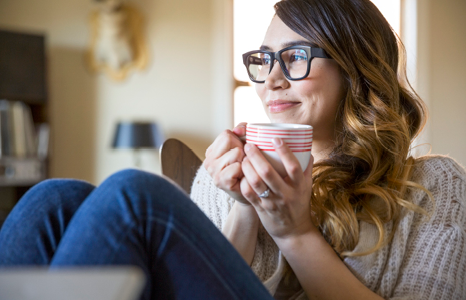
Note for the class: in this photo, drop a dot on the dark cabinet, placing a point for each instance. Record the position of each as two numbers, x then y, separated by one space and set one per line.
23 78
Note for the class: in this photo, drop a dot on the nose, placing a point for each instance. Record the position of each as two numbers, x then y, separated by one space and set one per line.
276 79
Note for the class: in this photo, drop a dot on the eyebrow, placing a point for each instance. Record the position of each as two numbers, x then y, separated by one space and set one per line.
289 44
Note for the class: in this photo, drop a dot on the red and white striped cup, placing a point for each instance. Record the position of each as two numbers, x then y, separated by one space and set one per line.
298 138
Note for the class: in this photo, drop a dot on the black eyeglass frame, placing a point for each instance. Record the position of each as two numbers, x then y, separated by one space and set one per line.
312 52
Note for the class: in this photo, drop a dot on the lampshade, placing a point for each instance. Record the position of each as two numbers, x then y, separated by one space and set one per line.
137 135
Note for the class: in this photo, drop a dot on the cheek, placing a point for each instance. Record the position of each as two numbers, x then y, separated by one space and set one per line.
324 86
260 91
333 83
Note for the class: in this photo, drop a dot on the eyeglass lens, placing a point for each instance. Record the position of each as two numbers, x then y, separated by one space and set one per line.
295 61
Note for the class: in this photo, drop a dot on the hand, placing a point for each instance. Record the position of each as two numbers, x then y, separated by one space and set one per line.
223 161
286 211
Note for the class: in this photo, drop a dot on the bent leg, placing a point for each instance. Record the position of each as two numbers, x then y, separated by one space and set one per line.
137 218
33 229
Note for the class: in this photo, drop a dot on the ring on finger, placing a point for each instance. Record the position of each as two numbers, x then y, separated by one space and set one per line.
265 194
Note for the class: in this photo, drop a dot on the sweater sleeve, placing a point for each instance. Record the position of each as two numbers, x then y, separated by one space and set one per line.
214 202
433 265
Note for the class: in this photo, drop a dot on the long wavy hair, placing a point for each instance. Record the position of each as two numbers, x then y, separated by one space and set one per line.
366 177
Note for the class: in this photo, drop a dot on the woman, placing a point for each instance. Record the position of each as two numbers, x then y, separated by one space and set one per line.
368 196
363 221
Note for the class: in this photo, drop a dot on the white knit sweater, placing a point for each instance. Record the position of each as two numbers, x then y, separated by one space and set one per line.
425 260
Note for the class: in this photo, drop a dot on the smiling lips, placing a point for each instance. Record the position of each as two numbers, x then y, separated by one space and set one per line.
277 106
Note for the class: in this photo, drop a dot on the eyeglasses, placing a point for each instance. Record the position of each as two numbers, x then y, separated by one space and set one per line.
295 62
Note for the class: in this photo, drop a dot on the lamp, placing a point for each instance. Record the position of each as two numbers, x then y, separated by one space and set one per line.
136 136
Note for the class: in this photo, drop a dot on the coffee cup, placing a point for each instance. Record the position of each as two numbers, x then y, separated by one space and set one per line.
298 137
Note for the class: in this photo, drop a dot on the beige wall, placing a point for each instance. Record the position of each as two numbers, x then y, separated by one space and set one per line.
447 78
84 107
435 38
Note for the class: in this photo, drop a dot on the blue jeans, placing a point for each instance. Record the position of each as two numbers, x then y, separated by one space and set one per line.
132 218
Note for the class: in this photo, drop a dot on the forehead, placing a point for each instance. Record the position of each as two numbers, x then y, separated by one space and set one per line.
279 35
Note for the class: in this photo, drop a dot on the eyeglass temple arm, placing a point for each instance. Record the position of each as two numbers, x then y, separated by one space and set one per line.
319 52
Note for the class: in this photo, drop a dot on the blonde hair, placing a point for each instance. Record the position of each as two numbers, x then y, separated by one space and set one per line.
367 175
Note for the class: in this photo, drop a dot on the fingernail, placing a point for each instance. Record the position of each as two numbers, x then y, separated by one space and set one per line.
239 127
247 147
277 142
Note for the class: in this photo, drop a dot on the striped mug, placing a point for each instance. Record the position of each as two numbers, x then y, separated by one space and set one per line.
298 138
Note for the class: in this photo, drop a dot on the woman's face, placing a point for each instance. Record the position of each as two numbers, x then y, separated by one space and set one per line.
313 100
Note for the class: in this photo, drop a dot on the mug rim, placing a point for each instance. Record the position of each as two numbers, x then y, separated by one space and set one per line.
286 126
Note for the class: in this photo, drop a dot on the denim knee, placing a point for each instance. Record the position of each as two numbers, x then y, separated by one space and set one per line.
52 192
145 190
62 186
33 229
141 180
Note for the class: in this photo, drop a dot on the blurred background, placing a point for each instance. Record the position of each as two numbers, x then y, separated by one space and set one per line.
185 74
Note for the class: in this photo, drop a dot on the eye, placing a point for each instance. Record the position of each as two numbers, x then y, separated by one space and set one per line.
298 55
265 60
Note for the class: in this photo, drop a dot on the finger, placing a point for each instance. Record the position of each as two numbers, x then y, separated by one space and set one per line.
249 193
291 163
240 131
308 171
310 166
230 177
214 167
216 143
226 141
208 150
232 156
263 168
254 180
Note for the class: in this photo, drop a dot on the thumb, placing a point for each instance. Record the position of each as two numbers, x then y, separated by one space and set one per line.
240 131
